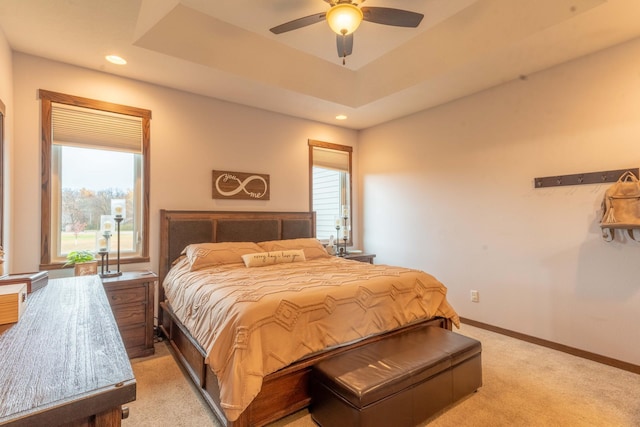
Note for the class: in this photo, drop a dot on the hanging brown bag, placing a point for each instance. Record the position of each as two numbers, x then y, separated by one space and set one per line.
621 206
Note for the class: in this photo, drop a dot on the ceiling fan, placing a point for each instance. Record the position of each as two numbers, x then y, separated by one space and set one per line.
345 16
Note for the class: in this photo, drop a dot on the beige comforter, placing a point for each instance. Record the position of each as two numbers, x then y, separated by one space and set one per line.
254 321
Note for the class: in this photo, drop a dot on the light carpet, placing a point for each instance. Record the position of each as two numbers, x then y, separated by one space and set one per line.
524 385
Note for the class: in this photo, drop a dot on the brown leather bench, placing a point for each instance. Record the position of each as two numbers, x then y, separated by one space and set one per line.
398 381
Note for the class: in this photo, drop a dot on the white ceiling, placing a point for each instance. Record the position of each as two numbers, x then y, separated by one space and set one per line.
224 49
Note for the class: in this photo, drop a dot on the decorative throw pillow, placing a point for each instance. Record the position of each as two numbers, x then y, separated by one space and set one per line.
203 255
269 258
312 247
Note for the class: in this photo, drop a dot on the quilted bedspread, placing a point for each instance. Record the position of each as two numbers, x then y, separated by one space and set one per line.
254 321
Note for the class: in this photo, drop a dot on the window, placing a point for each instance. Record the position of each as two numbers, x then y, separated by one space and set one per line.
330 181
95 164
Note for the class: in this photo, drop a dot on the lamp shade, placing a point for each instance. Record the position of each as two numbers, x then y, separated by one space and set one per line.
344 18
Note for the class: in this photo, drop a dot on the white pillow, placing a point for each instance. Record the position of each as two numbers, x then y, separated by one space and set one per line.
312 247
269 258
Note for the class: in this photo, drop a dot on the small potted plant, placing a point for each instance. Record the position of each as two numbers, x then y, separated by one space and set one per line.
84 262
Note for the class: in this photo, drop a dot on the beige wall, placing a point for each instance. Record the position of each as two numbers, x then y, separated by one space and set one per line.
450 190
6 95
190 136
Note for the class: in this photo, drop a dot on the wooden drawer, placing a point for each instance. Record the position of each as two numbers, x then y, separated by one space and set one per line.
127 295
133 336
129 314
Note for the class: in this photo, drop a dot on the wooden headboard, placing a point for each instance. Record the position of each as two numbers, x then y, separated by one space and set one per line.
181 228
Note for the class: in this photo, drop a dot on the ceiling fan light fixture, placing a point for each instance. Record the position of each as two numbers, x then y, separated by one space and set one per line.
344 18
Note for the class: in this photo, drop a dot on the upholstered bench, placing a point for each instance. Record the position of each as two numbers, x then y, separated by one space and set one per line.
398 381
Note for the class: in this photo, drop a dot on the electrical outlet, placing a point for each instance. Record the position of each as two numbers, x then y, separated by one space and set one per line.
475 296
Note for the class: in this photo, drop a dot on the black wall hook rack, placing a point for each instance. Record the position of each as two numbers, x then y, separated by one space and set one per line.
581 178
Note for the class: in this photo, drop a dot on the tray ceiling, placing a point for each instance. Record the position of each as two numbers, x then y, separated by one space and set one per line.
223 49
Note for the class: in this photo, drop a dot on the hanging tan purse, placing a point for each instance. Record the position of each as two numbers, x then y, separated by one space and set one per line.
621 206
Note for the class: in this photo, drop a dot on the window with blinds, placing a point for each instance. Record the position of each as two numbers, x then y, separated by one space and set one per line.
84 127
97 155
330 187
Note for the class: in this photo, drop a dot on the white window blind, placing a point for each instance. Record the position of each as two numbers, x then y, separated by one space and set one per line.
85 127
331 159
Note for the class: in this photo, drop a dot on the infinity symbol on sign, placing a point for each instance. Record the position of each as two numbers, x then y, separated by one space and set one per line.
241 185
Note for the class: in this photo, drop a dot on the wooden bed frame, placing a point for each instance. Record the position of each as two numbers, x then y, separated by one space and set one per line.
285 391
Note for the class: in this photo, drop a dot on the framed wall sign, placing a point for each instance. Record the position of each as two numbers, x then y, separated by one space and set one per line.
240 185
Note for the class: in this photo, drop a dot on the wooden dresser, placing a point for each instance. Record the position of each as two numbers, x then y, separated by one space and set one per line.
64 361
131 299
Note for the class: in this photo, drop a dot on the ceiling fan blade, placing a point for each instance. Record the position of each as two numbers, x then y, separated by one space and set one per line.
390 16
299 23
344 45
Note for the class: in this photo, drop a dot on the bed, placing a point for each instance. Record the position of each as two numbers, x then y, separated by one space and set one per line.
238 361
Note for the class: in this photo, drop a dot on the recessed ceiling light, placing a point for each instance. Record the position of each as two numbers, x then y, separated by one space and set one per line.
341 117
115 59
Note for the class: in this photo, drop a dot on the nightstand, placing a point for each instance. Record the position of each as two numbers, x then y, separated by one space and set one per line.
361 257
131 298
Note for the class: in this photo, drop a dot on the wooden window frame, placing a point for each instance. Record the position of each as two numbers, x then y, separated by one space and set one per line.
338 147
46 98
